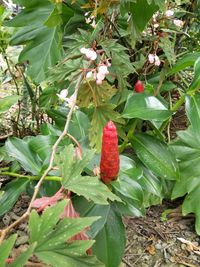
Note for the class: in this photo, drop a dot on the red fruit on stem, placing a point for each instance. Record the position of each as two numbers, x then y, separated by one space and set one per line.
139 87
109 165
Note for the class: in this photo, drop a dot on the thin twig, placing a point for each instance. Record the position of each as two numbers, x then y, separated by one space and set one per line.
5 136
54 148
76 142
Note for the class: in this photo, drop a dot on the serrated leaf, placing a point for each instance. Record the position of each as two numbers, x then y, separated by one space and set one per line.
101 116
168 47
71 166
121 65
89 187
91 93
89 209
92 189
40 227
51 236
5 249
23 258
43 44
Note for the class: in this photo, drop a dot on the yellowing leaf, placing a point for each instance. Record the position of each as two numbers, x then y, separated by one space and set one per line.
90 93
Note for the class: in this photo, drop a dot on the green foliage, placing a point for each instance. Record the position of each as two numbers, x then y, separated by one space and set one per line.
108 248
7 102
5 249
156 156
50 236
187 153
42 38
89 187
102 114
11 194
90 93
136 40
146 108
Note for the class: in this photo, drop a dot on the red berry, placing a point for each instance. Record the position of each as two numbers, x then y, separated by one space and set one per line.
139 87
109 165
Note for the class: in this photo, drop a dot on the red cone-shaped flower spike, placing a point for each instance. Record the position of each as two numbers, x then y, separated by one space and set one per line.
139 87
109 165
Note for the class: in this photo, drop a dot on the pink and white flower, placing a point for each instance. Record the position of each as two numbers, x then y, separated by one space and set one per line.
178 22
169 13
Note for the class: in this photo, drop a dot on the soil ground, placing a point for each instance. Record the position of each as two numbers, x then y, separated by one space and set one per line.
152 242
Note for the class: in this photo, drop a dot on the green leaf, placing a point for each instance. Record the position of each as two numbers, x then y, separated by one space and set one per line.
91 93
89 187
20 150
193 112
89 209
129 187
11 194
43 44
7 102
191 205
146 108
121 65
110 242
196 80
142 12
167 46
5 249
51 235
23 258
102 114
184 62
156 156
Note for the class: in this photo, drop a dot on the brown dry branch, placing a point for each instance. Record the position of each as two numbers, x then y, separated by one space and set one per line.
5 231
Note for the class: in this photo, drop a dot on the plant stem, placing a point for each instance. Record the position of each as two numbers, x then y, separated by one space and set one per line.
53 153
4 169
48 178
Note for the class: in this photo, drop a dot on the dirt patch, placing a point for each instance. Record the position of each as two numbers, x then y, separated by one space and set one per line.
152 242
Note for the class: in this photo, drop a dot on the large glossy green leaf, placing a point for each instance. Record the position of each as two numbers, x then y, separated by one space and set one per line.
110 242
186 61
193 112
7 102
129 187
11 194
156 156
51 234
5 249
20 150
89 209
146 108
43 43
142 12
191 205
196 80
